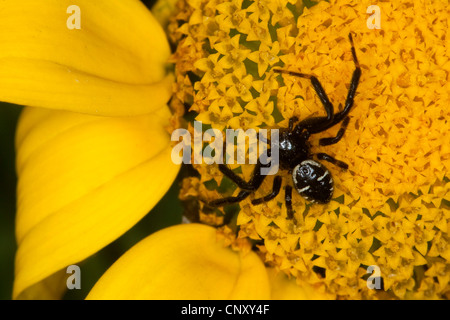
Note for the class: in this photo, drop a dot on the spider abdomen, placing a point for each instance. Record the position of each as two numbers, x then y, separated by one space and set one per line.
313 181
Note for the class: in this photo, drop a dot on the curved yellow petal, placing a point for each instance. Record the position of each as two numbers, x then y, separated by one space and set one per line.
83 181
51 288
283 288
116 59
184 262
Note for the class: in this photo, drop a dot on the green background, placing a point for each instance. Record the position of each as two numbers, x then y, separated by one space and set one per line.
8 119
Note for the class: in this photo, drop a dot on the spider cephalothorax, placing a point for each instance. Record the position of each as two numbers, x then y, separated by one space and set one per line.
310 178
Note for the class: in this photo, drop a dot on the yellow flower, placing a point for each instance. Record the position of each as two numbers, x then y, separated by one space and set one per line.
93 151
259 10
265 56
391 207
335 228
238 85
232 17
211 68
214 271
232 54
194 261
218 112
86 178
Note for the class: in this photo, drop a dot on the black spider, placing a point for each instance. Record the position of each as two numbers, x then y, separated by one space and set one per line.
311 179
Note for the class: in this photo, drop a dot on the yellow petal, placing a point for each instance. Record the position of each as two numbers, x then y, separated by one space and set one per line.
83 182
51 288
117 57
184 262
284 288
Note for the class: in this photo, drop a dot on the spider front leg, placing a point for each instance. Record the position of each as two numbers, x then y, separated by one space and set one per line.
353 86
318 122
340 134
349 101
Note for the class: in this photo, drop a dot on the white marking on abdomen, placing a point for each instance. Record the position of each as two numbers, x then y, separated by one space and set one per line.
303 189
324 175
311 162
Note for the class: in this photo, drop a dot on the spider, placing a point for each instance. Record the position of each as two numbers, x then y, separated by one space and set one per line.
310 178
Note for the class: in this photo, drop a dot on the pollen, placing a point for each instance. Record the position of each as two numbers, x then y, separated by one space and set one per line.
391 208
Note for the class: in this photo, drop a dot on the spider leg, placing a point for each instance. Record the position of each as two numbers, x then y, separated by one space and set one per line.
229 200
326 157
275 190
340 134
248 187
352 90
241 183
320 124
288 200
254 182
262 138
322 96
291 122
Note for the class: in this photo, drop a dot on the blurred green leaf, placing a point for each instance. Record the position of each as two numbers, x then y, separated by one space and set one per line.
8 119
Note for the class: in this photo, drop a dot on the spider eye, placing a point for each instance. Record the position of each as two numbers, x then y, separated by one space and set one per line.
313 181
